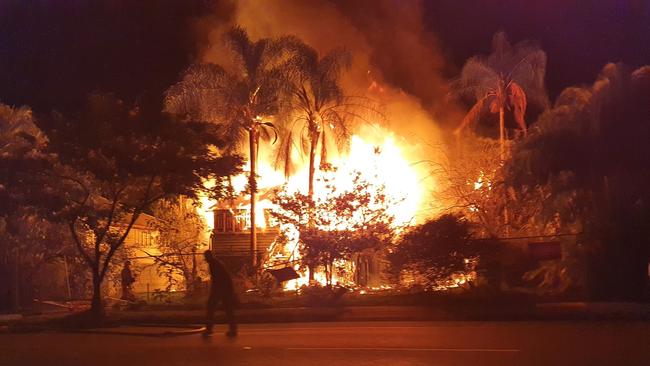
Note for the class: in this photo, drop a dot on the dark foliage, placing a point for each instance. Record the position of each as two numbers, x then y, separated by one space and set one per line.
113 162
436 249
593 145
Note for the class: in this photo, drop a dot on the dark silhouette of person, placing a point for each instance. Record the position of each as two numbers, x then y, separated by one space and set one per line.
127 281
221 291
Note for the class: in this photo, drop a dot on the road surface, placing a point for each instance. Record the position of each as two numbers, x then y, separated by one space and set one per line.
334 344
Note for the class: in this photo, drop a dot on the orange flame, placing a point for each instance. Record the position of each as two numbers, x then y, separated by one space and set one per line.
376 153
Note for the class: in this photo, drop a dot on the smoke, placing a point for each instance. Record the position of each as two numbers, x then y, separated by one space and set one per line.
388 39
395 59
400 46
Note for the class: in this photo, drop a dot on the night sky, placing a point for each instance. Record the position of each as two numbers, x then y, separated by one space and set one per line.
53 52
579 37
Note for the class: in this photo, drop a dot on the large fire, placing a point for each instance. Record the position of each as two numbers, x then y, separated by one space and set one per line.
379 155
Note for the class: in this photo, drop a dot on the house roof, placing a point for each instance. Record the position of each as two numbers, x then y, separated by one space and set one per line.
243 199
143 222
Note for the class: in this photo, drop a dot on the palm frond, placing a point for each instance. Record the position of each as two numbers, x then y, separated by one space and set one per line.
525 63
199 93
304 140
233 133
473 115
317 98
284 52
283 158
530 71
332 65
520 69
517 99
501 48
266 128
239 43
338 125
476 79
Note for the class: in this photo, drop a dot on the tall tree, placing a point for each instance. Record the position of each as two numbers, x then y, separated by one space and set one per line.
320 112
239 100
22 150
436 250
115 160
593 147
27 239
509 78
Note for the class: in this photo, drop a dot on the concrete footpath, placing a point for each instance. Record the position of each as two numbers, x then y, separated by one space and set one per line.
546 311
177 322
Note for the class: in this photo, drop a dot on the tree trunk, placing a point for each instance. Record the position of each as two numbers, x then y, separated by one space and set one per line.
252 182
96 306
502 148
194 266
502 134
312 163
312 173
327 274
311 269
323 151
189 275
330 272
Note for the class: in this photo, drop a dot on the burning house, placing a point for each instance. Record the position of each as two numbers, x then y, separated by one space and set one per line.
231 230
376 156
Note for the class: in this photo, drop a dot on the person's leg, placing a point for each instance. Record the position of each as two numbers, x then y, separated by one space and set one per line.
130 296
229 307
209 319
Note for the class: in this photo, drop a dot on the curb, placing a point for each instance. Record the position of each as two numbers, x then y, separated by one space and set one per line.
173 333
187 329
189 322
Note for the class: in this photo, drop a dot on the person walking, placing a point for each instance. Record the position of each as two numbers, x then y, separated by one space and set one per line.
127 281
221 291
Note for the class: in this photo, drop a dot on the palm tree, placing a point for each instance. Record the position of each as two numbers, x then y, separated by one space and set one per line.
238 100
19 136
320 111
509 78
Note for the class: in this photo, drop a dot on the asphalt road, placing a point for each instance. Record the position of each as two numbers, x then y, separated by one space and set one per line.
334 344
